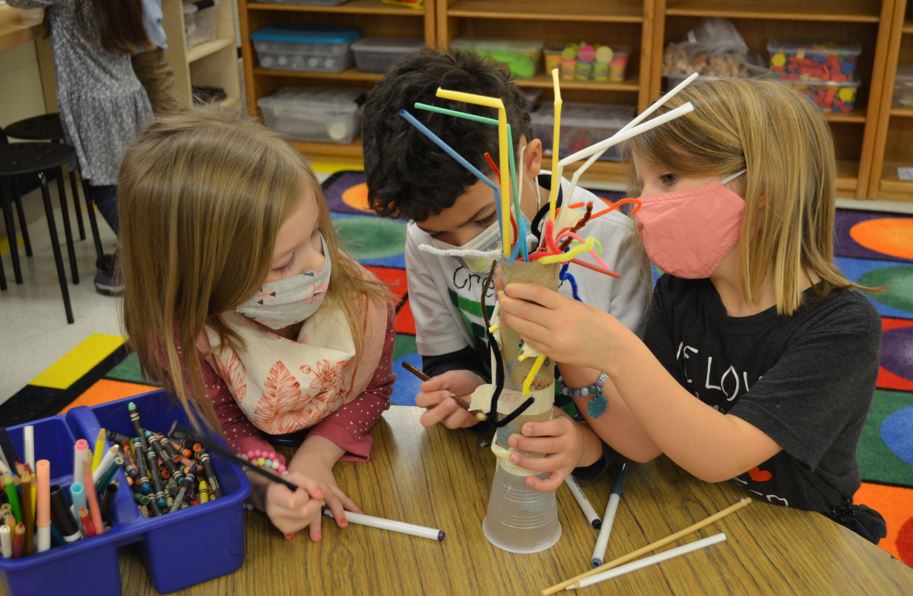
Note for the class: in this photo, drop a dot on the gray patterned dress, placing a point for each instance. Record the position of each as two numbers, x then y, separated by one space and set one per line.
102 104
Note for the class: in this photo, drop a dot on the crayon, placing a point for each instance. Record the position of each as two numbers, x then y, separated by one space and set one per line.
7 451
134 419
160 445
211 479
12 495
204 492
156 479
63 517
140 461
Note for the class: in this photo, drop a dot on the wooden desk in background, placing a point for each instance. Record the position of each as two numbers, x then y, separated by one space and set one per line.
440 478
12 31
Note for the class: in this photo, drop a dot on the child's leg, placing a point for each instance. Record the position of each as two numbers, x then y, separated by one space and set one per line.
105 198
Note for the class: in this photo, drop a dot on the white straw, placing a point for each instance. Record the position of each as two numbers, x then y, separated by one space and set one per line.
621 137
651 560
637 120
588 511
392 525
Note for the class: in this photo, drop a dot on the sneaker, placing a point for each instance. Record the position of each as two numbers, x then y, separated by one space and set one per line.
107 281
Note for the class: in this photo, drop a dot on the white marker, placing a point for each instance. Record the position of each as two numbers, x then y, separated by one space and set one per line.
392 525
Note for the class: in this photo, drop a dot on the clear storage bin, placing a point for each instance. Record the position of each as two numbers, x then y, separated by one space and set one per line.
206 21
318 2
903 86
521 58
326 114
378 54
813 61
321 50
828 96
582 124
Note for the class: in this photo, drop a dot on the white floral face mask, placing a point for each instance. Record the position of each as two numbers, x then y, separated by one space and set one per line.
292 300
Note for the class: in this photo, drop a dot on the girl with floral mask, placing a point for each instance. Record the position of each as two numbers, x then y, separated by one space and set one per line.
234 278
759 358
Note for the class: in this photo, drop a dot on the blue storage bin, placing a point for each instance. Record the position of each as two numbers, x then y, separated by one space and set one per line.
303 49
179 549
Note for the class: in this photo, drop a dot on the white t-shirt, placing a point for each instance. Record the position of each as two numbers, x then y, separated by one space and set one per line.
445 295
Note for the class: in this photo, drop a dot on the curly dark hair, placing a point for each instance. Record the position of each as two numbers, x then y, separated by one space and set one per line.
409 176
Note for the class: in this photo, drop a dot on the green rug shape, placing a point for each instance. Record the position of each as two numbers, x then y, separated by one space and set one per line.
877 462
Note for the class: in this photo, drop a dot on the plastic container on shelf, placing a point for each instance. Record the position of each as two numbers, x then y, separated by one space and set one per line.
190 23
903 86
813 61
206 21
552 55
318 2
304 49
618 67
582 124
521 58
179 549
828 96
378 54
327 114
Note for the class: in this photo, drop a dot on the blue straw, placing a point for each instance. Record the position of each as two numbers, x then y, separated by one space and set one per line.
459 158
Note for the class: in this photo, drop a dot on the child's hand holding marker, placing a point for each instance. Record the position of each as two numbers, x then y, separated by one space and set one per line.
291 511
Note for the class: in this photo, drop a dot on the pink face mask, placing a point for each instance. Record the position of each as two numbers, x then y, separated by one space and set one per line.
687 233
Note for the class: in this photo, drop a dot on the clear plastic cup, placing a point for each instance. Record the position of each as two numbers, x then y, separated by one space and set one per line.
520 519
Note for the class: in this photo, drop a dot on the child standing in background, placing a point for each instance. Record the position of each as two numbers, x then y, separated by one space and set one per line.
150 65
102 104
752 317
234 278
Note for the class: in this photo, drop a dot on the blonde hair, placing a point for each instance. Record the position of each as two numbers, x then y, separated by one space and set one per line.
787 150
202 195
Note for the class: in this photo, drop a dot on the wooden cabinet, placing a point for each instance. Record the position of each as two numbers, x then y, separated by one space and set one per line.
212 63
871 140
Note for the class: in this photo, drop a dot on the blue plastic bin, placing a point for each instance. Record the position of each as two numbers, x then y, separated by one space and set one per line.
179 549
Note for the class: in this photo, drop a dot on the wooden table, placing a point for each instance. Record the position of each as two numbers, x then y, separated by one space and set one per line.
12 31
442 478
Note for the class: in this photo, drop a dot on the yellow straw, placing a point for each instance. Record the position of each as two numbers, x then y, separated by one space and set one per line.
528 381
556 171
503 146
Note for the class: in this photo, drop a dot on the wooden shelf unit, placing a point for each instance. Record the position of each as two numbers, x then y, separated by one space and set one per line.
867 22
209 64
893 147
870 140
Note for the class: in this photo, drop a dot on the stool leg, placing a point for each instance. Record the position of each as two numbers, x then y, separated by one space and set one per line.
55 245
93 222
10 229
2 277
23 224
77 210
67 231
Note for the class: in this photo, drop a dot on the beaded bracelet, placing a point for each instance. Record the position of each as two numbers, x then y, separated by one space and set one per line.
597 404
264 459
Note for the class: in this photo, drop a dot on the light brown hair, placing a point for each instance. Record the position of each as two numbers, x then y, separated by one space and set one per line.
787 149
202 195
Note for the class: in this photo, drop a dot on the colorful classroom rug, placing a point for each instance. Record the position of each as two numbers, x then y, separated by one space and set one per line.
874 248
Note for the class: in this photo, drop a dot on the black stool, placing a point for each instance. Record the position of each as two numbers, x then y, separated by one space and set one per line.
18 159
47 127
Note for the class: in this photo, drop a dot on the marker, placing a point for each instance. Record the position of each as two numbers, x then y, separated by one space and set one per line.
18 540
12 495
92 498
80 454
134 419
77 497
6 542
88 528
62 516
99 451
392 525
583 502
107 501
140 462
104 464
608 520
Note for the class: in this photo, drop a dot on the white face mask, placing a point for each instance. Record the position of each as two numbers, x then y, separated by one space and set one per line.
488 240
291 300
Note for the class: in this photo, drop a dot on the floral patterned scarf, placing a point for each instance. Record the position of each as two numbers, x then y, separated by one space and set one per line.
285 385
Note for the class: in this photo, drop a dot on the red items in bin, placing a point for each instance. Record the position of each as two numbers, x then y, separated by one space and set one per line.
828 96
816 62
